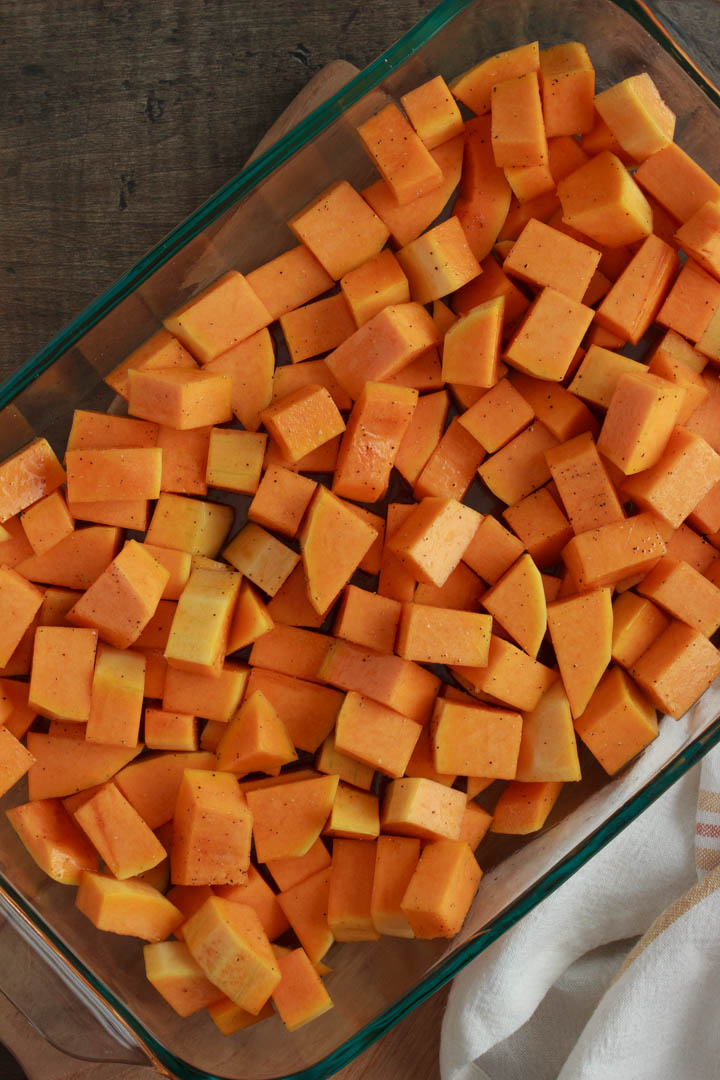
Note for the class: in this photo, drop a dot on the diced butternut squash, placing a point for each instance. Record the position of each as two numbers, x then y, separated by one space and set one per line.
474 87
229 944
452 466
255 740
375 735
47 522
288 818
151 785
683 475
340 230
375 429
517 603
699 236
636 624
399 155
677 182
123 840
170 731
19 602
677 668
462 591
162 350
333 542
266 561
118 687
396 858
201 623
211 830
691 303
373 286
541 525
549 336
612 552
308 711
62 672
519 467
249 365
433 539
635 298
303 421
305 905
518 131
601 200
436 635
637 116
482 205
281 500
524 808
441 890
382 346
472 344
205 696
422 808
178 978
492 550
53 840
498 416
331 761
355 815
548 749
257 894
543 256
585 488
433 112
130 908
180 398
581 632
684 593
121 602
367 619
59 770
300 996
351 882
28 476
618 722
438 262
475 740
511 677
567 82
288 281
15 760
597 377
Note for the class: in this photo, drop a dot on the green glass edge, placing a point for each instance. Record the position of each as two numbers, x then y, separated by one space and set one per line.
230 193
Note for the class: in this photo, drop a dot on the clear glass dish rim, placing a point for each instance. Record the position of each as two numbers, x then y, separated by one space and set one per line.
236 188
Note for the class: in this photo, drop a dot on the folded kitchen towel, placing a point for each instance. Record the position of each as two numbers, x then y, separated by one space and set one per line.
615 976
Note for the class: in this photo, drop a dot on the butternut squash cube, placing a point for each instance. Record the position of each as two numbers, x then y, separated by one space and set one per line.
15 760
519 467
205 696
228 942
260 557
475 740
436 635
59 770
399 155
294 870
368 619
375 735
452 466
518 131
492 550
257 894
118 688
170 731
235 460
181 398
543 256
288 818
375 429
441 890
433 112
422 808
567 83
641 416
47 522
549 336
333 543
597 377
250 366
685 473
162 350
685 594
62 672
300 996
121 602
334 762
192 525
438 262
636 624
211 830
255 740
699 236
433 539
637 116
308 711
471 349
601 200
541 525
306 905
289 280
201 623
587 493
340 229
302 421
382 346
131 908
548 749
317 328
677 668
225 313
53 840
355 815
396 859
123 840
517 602
511 677
612 552
20 602
178 978
618 722
28 476
523 808
581 633
474 87
351 882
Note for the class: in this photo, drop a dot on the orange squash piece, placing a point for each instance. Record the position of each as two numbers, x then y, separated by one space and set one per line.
130 908
543 256
375 429
581 632
288 281
567 83
170 731
303 421
180 398
118 686
452 466
151 785
317 328
333 542
308 711
331 761
474 87
436 635
396 683
193 525
20 602
422 808
351 882
517 603
541 525
601 200
471 347
492 550
59 770
636 624
484 199
53 840
27 476
62 672
225 313
524 808
121 602
340 229
548 749
475 740
678 183
438 262
635 298
211 830
200 627
399 155
281 500
162 350
250 366
367 618
641 416
597 377
122 839
699 236
176 976
441 890
305 905
300 996
519 467
433 112
229 944
15 760
261 557
585 488
685 473
637 116
288 819
518 131
396 859
47 522
684 593
511 677
375 735
432 540
677 668
618 722
549 336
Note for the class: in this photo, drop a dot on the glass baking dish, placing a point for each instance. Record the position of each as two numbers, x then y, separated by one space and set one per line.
85 990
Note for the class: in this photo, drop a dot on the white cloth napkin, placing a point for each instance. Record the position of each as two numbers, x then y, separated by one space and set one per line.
565 995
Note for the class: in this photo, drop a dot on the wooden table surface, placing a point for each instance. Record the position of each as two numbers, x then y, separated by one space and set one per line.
118 118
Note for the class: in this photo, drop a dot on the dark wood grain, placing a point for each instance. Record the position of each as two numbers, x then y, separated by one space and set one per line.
119 117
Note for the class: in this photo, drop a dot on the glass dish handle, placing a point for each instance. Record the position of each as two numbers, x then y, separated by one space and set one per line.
56 1003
